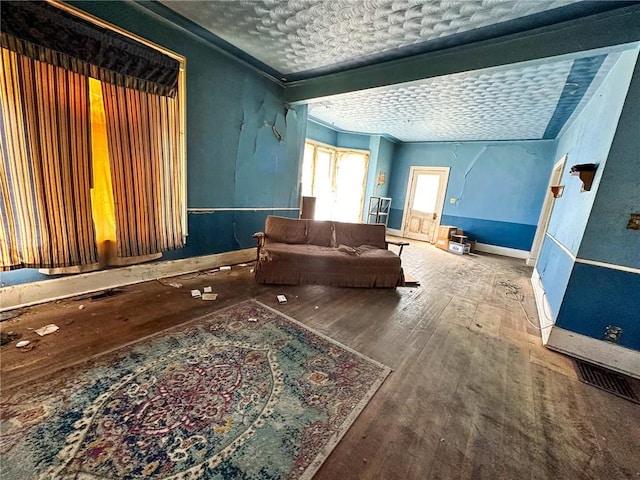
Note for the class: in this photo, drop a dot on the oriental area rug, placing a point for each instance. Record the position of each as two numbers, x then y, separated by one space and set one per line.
242 393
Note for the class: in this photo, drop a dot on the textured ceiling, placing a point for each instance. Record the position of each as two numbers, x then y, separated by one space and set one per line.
305 39
293 36
521 102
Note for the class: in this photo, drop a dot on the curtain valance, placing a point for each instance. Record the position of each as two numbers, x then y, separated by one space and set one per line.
49 34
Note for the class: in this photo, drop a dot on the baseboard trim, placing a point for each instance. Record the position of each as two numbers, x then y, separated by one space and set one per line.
606 354
27 294
504 251
543 307
394 232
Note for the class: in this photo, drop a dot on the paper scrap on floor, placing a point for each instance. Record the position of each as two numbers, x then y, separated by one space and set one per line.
209 296
47 329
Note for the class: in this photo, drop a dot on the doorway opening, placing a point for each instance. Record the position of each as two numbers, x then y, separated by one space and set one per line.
425 200
545 214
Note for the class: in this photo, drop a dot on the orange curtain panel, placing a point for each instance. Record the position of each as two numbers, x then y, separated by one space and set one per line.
143 134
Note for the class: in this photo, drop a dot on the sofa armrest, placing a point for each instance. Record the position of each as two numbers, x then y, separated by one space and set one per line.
399 244
259 236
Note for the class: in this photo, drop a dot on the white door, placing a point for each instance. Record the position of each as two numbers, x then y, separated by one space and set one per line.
425 200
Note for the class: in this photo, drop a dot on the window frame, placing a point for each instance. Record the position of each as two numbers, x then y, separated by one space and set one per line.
181 95
336 153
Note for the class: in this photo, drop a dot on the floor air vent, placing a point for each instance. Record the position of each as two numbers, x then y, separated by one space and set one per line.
606 380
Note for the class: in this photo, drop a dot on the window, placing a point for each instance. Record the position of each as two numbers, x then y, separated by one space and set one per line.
93 164
336 177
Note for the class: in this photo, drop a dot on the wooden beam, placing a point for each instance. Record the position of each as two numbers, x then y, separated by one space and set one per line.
617 27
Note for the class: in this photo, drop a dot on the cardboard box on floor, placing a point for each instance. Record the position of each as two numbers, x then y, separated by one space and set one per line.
444 235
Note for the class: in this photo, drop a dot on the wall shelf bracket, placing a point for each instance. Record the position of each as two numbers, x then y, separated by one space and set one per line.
586 172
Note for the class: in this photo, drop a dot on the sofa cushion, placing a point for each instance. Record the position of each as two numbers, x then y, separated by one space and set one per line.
285 230
291 264
356 234
320 233
310 257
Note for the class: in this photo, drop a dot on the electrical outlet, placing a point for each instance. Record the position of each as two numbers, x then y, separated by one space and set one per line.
612 334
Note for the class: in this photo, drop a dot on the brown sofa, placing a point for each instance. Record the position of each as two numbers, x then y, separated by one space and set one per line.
299 251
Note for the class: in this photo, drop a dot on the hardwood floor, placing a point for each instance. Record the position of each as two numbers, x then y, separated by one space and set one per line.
473 393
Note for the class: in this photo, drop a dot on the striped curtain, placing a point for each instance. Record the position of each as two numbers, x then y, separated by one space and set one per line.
143 139
45 174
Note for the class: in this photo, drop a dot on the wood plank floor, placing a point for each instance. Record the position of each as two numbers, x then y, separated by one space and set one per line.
473 393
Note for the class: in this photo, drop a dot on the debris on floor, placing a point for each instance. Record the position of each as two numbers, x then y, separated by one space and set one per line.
8 337
225 268
252 319
47 329
207 290
196 293
281 299
9 315
209 296
175 285
22 343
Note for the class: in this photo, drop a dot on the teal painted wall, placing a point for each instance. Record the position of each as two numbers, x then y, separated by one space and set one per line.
379 161
499 186
356 141
619 188
587 140
597 297
587 298
321 133
233 156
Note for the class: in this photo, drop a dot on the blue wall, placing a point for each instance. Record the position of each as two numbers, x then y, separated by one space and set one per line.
586 298
324 134
321 133
379 161
499 186
619 188
233 156
588 140
597 297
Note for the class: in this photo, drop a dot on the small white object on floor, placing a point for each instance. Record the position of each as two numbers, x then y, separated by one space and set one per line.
22 343
47 329
175 285
207 290
81 307
225 268
281 299
209 296
196 293
316 306
243 265
252 319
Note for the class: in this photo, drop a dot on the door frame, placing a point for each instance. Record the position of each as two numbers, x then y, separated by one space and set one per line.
545 213
413 171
